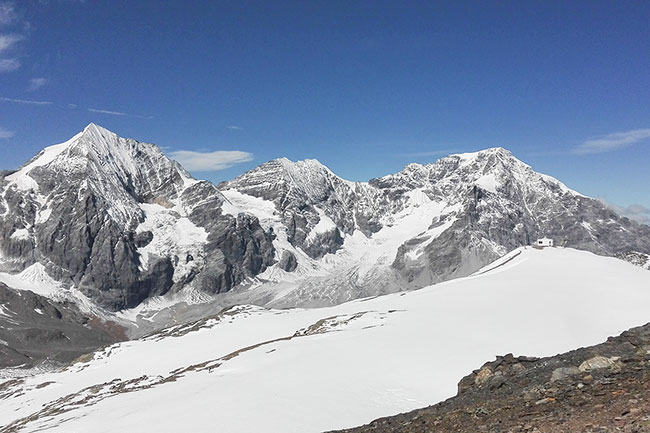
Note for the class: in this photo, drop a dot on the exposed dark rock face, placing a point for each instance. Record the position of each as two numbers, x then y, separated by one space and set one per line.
34 328
288 262
636 258
239 248
83 210
299 190
603 388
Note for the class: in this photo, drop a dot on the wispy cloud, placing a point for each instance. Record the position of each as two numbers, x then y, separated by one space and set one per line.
235 127
8 16
210 161
24 101
7 13
72 106
8 41
37 83
5 134
112 113
611 142
116 113
634 212
9 65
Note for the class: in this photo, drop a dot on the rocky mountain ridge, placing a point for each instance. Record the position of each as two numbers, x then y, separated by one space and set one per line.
121 222
425 224
84 209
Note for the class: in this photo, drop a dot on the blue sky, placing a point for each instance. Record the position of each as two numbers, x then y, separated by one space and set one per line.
364 86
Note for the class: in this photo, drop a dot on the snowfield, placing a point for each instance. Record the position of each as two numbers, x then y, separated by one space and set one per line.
249 369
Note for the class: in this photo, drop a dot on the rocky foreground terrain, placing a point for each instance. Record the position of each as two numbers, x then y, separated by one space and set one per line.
603 388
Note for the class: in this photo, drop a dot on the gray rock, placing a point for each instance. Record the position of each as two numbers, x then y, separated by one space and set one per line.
143 239
288 261
34 328
562 373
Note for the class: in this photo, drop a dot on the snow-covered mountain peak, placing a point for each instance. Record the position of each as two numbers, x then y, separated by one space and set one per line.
282 179
121 221
94 129
305 168
100 205
494 158
99 155
470 156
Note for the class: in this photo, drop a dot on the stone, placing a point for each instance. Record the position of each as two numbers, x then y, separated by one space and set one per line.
288 261
599 363
562 373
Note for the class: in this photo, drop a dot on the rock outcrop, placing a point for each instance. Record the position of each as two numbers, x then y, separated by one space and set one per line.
34 329
603 388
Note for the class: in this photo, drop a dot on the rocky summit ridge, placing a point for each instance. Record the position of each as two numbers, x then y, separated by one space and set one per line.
83 209
122 223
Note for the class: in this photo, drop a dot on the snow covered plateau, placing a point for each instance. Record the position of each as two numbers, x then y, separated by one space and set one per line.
252 369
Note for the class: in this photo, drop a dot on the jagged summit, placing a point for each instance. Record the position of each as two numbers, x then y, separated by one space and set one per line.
97 129
498 150
95 150
118 219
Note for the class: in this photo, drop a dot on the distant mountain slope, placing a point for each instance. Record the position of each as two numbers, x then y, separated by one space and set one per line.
119 221
311 370
425 224
33 329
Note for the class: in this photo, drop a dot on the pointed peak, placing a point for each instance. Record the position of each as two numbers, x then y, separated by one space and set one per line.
94 129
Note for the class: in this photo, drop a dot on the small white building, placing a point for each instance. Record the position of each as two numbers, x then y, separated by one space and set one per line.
544 242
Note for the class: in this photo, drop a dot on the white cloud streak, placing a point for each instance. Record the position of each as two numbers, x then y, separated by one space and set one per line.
235 127
112 113
5 134
25 101
7 13
210 161
37 83
611 142
117 113
9 65
8 41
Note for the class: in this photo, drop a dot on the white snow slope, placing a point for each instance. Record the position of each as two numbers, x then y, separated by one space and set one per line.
313 370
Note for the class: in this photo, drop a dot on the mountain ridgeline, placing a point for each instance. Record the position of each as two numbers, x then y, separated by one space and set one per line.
121 222
80 209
